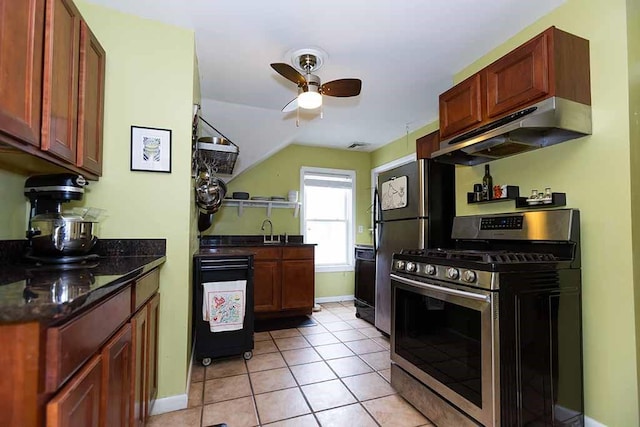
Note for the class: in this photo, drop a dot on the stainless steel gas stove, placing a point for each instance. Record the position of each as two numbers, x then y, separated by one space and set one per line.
481 330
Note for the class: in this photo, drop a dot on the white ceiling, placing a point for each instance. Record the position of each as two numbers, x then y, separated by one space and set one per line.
404 51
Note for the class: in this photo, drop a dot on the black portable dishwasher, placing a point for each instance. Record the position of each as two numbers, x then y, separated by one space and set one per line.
222 268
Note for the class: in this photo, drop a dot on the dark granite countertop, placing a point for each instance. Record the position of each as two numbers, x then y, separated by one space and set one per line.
51 293
250 240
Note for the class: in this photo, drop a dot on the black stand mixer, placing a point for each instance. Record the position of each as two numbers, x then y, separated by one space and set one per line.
55 237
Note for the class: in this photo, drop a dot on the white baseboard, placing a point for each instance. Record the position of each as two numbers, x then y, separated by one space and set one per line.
337 298
590 422
170 404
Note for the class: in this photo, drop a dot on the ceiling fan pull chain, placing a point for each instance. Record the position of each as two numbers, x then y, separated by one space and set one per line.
321 111
298 116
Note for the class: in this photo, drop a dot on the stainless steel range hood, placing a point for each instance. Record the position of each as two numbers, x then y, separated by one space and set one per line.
546 123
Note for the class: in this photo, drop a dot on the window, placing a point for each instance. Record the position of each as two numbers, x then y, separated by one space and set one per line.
327 216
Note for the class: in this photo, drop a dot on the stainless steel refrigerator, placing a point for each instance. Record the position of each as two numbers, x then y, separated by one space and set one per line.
414 206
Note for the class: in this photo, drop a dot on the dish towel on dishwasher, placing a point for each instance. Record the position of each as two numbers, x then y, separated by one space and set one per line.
223 305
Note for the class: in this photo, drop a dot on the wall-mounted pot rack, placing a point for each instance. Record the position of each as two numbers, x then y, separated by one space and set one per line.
219 158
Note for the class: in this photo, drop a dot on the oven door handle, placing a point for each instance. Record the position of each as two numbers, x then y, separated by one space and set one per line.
447 291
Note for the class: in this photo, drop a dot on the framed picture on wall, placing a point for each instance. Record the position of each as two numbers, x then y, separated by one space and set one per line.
150 149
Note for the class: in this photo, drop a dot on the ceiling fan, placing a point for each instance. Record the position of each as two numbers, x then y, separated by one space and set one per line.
310 90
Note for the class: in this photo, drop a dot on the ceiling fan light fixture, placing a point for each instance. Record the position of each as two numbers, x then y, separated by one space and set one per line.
309 100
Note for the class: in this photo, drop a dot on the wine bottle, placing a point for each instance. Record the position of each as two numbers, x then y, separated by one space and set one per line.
487 184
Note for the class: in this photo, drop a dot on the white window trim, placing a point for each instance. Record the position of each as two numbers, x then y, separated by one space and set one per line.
352 237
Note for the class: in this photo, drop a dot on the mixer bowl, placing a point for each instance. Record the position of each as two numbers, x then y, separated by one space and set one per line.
61 235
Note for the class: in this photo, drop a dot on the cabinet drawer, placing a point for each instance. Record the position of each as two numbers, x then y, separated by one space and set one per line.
303 252
70 345
145 287
266 253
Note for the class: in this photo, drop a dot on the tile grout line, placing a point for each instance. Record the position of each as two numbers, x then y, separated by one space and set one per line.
353 394
325 361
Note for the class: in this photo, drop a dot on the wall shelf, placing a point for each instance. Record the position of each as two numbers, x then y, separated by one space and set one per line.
557 199
513 191
268 204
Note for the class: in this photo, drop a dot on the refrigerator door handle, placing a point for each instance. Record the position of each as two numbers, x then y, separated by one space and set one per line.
376 225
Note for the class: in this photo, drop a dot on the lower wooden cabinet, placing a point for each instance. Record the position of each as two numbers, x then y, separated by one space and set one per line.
266 289
139 327
144 381
284 280
152 365
78 402
96 369
116 379
298 283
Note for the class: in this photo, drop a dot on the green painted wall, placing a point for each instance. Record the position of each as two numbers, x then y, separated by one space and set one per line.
15 206
595 173
633 38
149 82
275 177
400 147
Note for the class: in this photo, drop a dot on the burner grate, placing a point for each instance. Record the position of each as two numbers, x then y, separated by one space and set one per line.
499 257
509 258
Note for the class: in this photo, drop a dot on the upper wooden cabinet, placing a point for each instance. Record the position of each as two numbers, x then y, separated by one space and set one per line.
427 144
554 63
461 106
52 71
21 44
91 101
60 84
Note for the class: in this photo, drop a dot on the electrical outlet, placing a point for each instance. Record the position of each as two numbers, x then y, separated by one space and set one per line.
360 229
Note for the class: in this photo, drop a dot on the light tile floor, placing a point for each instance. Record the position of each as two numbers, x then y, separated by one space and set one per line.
334 374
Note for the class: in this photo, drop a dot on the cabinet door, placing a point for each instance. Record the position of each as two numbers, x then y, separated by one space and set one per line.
21 44
116 379
153 308
266 286
461 106
91 102
297 284
518 77
78 403
139 328
60 97
427 145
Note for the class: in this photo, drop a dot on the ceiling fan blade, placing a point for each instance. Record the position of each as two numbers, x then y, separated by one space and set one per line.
342 87
290 73
291 106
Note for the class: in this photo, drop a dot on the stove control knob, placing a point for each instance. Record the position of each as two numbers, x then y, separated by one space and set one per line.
469 276
399 265
430 269
411 266
453 273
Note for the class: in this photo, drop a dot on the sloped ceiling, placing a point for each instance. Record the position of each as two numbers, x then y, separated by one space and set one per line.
404 51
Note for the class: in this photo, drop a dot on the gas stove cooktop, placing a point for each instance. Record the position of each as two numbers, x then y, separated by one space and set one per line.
469 267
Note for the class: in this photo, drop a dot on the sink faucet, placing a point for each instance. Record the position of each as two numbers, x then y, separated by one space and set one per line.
267 221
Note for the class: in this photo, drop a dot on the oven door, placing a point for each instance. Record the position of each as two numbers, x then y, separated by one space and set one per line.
446 337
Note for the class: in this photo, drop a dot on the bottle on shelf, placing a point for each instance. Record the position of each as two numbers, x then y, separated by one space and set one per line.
487 184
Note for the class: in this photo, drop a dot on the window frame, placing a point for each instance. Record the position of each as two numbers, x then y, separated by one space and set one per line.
351 213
